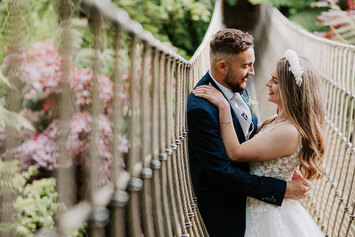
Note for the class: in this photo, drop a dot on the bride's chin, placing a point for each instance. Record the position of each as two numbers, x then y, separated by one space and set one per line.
271 101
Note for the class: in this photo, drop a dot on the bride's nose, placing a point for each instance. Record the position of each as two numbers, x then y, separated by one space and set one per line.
267 83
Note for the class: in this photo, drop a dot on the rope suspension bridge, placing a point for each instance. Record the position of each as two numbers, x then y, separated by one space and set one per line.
145 189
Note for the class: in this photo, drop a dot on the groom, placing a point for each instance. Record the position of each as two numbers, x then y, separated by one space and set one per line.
221 186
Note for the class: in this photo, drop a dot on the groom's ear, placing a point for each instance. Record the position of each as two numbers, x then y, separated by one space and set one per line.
222 66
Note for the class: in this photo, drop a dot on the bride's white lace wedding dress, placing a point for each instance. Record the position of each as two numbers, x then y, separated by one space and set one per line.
289 220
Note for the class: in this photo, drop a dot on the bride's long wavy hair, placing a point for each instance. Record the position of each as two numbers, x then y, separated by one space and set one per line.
304 108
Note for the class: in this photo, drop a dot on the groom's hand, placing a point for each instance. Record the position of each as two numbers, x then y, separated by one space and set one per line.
298 188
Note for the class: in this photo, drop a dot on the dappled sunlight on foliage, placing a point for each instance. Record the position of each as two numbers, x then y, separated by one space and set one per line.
180 22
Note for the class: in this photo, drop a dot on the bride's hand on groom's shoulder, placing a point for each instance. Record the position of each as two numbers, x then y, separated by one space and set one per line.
211 94
298 188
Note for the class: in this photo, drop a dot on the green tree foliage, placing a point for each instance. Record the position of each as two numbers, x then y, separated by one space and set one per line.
183 23
307 18
330 19
298 11
26 20
292 4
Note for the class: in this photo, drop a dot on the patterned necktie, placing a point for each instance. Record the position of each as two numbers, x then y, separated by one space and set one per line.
243 113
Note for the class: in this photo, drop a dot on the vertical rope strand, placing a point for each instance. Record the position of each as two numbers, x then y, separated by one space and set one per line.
99 215
146 175
156 164
176 155
120 197
65 174
171 142
163 156
13 32
134 164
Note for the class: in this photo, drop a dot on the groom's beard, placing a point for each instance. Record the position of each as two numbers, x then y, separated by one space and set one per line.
235 87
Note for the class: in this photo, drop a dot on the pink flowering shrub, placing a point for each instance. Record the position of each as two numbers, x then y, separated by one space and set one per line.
339 21
39 68
82 82
42 70
42 150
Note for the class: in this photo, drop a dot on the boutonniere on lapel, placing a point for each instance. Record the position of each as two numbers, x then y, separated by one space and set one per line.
251 102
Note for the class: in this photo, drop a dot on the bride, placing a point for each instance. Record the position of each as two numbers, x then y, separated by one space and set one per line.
288 143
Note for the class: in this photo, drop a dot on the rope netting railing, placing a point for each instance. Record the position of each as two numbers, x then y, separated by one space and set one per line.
115 134
331 202
116 137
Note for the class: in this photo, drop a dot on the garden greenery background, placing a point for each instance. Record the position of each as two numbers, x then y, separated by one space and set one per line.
331 19
26 168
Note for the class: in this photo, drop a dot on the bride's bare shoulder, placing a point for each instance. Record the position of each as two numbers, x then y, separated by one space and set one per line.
287 134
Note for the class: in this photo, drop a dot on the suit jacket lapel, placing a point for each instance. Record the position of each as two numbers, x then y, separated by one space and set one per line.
237 126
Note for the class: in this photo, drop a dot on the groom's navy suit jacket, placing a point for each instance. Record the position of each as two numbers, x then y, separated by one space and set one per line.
221 186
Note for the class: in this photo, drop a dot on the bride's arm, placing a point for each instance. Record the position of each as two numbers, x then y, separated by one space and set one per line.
281 141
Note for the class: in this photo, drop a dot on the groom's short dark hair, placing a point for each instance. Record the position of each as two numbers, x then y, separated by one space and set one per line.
231 41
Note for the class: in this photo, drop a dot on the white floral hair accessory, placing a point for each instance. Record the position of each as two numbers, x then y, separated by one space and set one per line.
295 68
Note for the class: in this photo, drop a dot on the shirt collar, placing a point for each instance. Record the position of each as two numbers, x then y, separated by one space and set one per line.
226 91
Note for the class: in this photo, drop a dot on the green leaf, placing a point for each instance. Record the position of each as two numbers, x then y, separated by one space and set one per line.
5 82
14 120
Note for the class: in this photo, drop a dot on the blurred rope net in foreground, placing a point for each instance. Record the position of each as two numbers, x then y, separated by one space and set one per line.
117 130
116 138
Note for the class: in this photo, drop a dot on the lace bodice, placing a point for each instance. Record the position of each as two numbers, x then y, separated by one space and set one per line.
280 168
290 219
